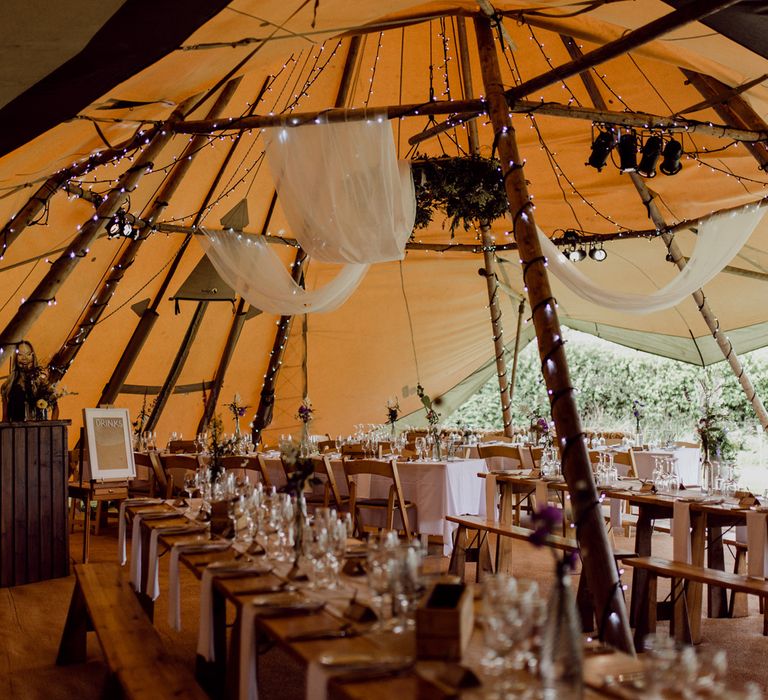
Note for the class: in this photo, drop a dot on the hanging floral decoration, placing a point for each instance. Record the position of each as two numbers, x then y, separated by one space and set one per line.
465 189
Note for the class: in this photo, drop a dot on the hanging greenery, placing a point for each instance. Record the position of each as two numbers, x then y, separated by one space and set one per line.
464 189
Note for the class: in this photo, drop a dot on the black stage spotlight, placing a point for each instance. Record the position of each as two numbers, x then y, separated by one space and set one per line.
577 255
651 153
597 253
601 149
628 153
113 227
673 151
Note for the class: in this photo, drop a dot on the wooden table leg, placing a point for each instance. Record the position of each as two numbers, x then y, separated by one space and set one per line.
694 595
87 527
146 586
459 554
717 603
72 648
643 538
739 606
504 544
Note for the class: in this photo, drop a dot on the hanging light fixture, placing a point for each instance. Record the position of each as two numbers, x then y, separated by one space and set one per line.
673 151
577 254
601 149
651 153
597 252
119 226
628 152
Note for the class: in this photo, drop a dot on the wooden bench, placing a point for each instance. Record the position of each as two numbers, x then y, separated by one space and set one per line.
484 527
681 575
104 602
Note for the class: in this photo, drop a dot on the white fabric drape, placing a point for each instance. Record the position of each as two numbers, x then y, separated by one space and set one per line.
256 272
719 239
347 200
343 192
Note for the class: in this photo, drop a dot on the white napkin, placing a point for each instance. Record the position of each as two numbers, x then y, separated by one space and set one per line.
174 597
136 553
615 505
757 545
681 532
124 518
205 633
491 494
542 494
249 689
153 570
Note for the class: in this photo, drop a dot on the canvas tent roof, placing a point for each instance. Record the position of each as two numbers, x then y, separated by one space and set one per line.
144 59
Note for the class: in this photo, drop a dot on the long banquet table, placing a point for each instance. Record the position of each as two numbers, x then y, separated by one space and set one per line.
407 679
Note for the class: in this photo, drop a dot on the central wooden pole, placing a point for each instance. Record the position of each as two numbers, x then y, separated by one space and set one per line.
598 564
489 246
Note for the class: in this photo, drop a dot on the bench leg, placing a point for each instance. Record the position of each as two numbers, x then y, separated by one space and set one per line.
459 553
717 603
72 648
681 620
643 535
738 606
645 619
484 559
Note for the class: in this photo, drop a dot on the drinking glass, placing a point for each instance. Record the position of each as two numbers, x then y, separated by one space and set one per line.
420 445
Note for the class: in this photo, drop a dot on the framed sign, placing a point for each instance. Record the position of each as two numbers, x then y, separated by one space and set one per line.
110 447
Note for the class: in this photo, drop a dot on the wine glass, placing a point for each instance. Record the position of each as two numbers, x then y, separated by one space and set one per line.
190 483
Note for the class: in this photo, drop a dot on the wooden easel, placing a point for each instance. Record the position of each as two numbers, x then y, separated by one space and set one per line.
91 490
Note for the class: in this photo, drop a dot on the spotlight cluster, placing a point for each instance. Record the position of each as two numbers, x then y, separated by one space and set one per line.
119 226
576 249
629 145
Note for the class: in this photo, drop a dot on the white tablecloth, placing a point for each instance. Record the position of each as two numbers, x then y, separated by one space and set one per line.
687 463
437 488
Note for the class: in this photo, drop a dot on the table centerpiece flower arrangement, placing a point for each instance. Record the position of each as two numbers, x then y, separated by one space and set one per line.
237 409
305 413
433 417
638 413
45 394
393 413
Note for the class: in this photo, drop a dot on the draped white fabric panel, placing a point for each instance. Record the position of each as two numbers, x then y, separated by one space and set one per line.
255 271
346 197
719 239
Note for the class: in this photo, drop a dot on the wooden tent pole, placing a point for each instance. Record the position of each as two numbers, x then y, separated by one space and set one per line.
44 294
150 314
226 357
489 248
691 12
723 342
465 111
66 354
518 333
232 338
264 410
598 564
39 200
732 107
266 405
178 364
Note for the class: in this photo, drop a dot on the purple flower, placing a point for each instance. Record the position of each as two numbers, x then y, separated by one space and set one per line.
241 411
543 425
545 521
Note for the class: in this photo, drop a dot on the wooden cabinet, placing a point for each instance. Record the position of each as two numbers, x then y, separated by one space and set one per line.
34 538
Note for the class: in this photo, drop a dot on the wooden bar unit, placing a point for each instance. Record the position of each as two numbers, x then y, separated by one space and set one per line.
34 538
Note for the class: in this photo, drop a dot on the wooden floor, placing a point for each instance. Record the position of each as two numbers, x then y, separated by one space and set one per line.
32 617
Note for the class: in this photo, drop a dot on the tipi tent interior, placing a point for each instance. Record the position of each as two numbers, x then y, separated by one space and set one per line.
148 117
364 351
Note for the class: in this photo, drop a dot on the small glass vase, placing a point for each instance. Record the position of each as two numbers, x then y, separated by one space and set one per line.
707 477
561 665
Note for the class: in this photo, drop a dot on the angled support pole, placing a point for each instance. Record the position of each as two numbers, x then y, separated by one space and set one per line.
178 364
263 416
150 315
44 294
599 566
489 247
36 204
226 357
66 354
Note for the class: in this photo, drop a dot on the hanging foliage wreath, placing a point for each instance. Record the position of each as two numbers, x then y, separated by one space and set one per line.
464 189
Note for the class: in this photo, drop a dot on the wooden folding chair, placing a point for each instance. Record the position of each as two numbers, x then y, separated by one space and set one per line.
487 452
175 468
182 447
332 496
395 501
